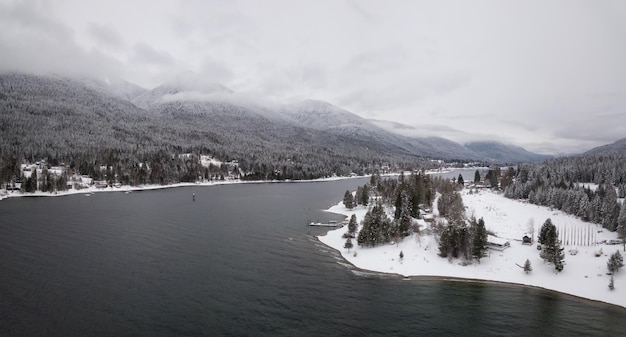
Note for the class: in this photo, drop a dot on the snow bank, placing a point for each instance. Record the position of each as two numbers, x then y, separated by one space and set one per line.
584 275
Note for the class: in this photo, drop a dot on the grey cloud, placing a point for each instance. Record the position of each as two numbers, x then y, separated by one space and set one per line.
146 54
106 36
34 42
29 18
216 71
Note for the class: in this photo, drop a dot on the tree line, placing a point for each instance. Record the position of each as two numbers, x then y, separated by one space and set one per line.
565 184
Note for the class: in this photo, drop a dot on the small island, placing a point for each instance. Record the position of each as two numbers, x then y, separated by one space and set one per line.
586 262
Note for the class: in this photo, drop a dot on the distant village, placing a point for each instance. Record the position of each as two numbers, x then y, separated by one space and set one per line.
41 171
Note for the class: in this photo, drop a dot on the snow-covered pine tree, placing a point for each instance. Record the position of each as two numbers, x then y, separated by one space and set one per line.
404 219
545 228
352 224
348 245
616 261
527 267
552 250
621 225
479 238
377 227
348 200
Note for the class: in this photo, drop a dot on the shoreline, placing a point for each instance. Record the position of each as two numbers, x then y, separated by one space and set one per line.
128 188
472 280
583 278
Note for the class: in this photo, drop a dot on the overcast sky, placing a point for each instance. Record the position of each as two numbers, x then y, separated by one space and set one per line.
546 75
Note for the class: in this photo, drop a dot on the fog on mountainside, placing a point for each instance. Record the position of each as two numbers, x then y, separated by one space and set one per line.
90 124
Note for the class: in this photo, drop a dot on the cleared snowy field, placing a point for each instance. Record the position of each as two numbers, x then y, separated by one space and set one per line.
584 275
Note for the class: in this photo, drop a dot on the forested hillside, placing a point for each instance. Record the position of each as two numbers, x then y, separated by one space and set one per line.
87 127
587 186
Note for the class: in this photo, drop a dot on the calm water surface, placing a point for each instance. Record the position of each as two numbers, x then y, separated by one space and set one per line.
239 261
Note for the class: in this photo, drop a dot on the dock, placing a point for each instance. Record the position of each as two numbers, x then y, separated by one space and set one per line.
331 223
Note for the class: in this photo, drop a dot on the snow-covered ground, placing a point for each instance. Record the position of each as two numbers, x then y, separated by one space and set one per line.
584 275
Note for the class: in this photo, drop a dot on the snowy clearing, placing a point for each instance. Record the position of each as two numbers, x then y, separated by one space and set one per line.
584 275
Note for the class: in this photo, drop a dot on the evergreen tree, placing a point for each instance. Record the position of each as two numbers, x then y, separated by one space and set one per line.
616 261
348 200
445 241
348 245
552 250
527 267
612 283
404 217
358 196
460 180
31 183
492 176
376 227
401 255
365 195
545 228
610 208
352 225
476 177
479 238
621 225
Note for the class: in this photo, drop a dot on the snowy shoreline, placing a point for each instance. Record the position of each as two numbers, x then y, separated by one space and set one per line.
128 188
584 276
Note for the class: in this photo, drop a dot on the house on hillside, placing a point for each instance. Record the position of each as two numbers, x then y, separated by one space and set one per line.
497 243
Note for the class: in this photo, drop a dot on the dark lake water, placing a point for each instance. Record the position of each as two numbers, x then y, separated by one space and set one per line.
239 261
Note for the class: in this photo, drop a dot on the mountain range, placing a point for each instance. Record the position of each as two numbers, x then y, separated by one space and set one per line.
51 114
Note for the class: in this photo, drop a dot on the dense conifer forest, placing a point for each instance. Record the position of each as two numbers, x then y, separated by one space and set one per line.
586 186
89 130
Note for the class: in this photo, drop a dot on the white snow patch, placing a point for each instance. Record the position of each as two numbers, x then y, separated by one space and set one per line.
584 275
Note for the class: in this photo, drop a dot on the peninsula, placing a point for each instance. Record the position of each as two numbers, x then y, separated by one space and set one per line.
586 249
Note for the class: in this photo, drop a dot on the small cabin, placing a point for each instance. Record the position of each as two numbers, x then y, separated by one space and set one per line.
527 240
497 243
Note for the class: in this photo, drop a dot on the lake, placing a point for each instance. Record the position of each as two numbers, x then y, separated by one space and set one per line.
240 260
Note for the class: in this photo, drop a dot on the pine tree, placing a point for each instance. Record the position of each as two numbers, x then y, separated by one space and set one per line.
527 267
352 224
612 283
621 225
610 208
445 244
460 180
545 228
348 200
552 250
401 255
479 238
404 218
348 245
476 177
377 227
358 196
365 195
616 261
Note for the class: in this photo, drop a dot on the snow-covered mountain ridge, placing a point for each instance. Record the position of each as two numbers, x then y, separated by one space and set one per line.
207 107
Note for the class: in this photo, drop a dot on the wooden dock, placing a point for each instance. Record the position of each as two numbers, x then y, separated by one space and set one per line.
331 223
